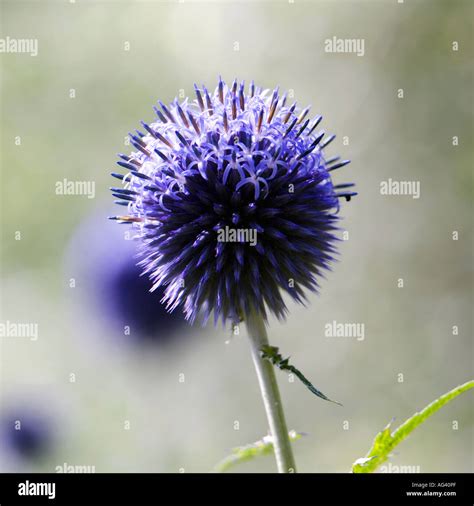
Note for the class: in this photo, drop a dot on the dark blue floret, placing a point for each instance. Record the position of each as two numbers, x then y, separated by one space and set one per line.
237 163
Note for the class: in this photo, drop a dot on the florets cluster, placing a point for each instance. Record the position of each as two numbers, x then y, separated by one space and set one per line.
233 201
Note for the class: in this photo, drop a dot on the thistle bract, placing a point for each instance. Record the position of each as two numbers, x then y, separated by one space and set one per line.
233 201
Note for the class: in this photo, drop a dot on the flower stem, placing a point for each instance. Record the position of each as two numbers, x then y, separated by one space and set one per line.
271 395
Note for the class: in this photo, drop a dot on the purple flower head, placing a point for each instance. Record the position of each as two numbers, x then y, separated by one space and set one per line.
233 201
111 289
26 432
140 309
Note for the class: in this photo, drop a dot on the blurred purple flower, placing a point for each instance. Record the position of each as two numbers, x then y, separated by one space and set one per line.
26 432
103 265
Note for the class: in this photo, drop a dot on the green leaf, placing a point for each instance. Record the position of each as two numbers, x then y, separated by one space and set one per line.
251 451
271 353
386 441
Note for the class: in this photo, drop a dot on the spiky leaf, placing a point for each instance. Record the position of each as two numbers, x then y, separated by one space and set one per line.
385 441
271 353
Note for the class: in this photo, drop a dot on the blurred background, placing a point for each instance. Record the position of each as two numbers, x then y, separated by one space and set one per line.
109 385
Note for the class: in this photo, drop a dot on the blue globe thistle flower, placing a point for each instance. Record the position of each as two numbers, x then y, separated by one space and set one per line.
233 201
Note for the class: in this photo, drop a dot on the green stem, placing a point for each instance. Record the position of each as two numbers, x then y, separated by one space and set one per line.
271 395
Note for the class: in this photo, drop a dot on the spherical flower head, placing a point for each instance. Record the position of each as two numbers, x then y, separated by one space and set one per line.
233 202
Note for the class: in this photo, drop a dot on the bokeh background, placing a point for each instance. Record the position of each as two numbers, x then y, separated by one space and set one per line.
170 398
